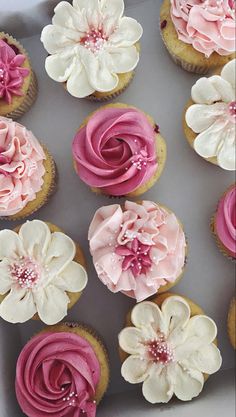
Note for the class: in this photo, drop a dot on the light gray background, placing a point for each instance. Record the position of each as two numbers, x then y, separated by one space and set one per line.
189 186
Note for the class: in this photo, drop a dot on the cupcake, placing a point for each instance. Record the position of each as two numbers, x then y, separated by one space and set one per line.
199 35
62 371
223 223
138 249
93 50
231 323
42 273
210 118
169 346
27 171
119 151
18 83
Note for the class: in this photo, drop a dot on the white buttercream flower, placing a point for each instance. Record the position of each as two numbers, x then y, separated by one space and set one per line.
89 43
169 351
36 270
213 117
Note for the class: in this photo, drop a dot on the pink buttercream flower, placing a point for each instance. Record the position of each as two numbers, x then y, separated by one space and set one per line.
12 73
208 25
137 249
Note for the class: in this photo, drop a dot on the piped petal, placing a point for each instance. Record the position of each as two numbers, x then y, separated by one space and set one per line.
73 278
130 340
157 387
18 306
134 370
52 304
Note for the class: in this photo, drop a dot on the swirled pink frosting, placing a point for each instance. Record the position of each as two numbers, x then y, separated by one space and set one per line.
56 375
21 167
136 249
12 73
226 221
208 25
116 150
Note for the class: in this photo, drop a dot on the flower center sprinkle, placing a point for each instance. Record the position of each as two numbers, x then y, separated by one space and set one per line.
232 110
26 272
94 40
135 257
159 351
2 75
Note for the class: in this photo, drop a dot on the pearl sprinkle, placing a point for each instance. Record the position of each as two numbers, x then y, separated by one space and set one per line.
94 40
159 351
26 272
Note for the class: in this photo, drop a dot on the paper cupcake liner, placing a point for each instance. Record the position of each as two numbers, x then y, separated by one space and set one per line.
28 101
218 242
111 96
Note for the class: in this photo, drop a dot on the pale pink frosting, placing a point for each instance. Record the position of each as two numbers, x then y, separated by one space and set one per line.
208 25
56 375
12 73
116 150
21 167
226 221
136 249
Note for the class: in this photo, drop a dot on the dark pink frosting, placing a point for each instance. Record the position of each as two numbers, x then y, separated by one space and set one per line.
226 221
116 150
56 375
12 73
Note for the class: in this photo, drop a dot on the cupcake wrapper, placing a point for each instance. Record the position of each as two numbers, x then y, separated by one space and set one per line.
110 96
218 242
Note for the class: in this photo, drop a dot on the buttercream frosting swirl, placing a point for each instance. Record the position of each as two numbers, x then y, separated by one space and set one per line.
213 116
208 25
225 222
136 249
89 43
12 72
57 374
21 167
116 150
169 351
36 272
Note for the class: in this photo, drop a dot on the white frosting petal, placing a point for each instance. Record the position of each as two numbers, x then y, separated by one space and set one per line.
73 278
128 33
224 88
200 117
207 143
55 39
134 370
188 383
78 83
5 277
112 8
176 313
203 92
130 340
18 306
67 16
229 72
59 67
147 314
207 359
200 331
227 154
10 245
124 59
52 304
60 253
157 387
36 236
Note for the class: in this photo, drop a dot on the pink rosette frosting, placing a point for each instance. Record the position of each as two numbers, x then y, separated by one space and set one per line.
12 73
208 25
226 221
21 167
116 150
56 375
137 249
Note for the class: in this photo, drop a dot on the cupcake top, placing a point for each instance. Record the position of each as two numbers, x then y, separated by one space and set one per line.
36 271
116 150
225 220
170 351
21 167
12 72
137 248
213 116
57 374
89 43
208 25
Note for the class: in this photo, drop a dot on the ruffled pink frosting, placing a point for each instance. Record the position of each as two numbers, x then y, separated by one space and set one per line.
12 73
208 25
226 221
56 375
116 150
21 167
136 249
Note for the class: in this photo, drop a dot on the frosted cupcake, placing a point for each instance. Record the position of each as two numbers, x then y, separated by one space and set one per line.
27 171
223 224
18 84
169 346
231 323
210 118
93 48
138 249
200 35
42 273
62 371
118 151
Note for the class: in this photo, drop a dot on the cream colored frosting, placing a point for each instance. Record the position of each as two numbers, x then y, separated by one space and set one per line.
213 116
169 350
89 43
36 271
